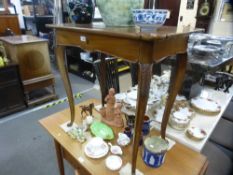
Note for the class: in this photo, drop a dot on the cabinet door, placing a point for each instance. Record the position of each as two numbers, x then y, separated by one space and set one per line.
174 7
12 99
3 101
15 96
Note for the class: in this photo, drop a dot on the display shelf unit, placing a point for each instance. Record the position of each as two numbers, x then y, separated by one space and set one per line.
78 66
37 13
85 68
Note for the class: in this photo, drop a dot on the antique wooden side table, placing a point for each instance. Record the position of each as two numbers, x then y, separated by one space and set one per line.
180 160
31 53
133 45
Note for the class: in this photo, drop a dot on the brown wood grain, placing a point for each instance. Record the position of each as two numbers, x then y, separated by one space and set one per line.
60 53
177 77
9 21
144 78
59 153
180 160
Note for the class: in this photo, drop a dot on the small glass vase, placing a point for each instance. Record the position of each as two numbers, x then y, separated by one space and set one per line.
81 11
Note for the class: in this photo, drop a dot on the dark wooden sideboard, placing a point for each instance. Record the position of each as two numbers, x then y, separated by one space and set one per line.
11 90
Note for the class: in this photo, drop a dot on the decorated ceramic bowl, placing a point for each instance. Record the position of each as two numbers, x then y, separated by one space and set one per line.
154 151
149 18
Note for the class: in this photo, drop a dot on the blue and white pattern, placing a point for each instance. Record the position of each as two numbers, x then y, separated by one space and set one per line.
149 16
152 159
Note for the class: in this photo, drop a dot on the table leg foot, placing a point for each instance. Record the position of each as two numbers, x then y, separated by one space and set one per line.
60 54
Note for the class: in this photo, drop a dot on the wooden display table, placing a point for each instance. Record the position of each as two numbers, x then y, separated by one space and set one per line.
179 160
133 45
31 53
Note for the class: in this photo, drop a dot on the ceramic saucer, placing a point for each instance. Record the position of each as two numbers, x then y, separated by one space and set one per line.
113 162
96 148
205 106
196 133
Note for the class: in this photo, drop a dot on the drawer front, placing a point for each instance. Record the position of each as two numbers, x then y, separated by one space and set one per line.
8 74
127 48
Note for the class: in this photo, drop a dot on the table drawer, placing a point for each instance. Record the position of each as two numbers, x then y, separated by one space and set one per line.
120 47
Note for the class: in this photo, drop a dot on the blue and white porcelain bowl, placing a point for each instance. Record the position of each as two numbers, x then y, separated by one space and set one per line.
149 18
154 151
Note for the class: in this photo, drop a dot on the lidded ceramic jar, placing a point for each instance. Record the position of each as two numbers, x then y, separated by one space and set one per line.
154 151
180 119
118 12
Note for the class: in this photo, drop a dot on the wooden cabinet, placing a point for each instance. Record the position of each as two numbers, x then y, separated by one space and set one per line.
31 53
174 7
9 21
11 90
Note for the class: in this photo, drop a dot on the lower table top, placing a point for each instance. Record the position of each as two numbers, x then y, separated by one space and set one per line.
179 160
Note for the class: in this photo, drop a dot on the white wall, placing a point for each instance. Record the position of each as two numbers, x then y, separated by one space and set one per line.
189 15
218 27
19 11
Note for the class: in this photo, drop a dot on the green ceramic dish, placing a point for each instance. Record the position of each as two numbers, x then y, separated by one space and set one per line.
102 130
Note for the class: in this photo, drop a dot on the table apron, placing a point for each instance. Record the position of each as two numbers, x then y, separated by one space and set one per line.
119 47
131 49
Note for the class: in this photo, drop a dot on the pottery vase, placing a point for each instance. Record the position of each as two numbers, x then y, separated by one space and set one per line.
118 12
81 11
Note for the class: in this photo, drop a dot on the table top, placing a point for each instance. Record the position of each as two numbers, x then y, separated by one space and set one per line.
22 39
179 160
208 123
129 32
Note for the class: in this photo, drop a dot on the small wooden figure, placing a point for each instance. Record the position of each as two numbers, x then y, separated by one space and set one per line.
111 114
110 100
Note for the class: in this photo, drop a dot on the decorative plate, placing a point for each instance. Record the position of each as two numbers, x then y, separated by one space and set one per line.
96 148
205 106
196 133
101 130
113 162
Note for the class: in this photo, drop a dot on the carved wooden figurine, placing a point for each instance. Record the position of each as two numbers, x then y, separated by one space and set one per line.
110 100
111 114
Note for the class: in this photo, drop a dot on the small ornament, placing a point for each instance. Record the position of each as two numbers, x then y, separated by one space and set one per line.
111 114
87 109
